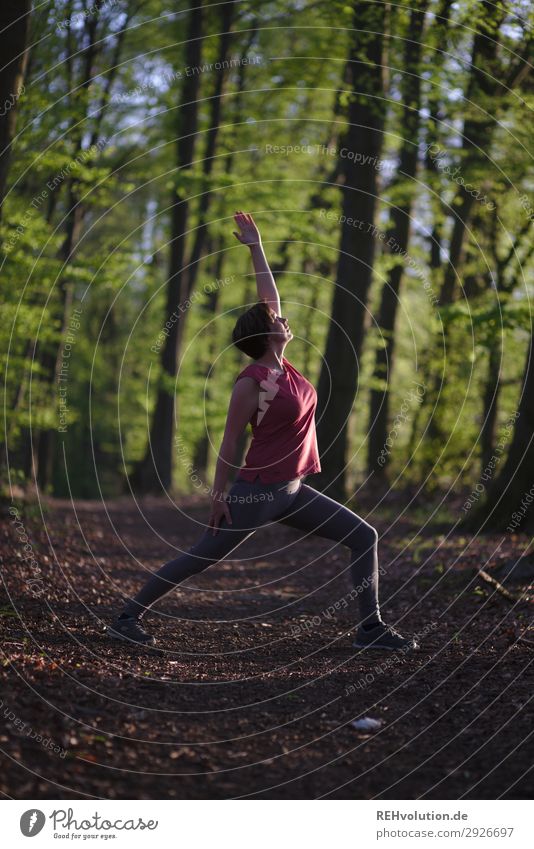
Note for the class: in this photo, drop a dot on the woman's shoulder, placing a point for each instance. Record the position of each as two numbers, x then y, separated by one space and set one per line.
254 370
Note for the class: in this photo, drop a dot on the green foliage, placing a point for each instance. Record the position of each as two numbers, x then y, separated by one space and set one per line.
275 155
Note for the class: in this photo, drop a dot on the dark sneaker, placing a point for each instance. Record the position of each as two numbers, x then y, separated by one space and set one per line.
383 636
130 630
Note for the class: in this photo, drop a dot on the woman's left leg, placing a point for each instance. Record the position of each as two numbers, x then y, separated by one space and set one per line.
318 514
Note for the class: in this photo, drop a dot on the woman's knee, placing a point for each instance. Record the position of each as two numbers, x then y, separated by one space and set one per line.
184 566
363 536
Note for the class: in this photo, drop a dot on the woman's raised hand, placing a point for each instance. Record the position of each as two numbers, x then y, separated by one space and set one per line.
248 231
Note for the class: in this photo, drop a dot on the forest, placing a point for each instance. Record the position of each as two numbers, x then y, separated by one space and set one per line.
385 152
402 253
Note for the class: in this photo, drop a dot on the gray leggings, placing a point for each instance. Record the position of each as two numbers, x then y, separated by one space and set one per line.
293 503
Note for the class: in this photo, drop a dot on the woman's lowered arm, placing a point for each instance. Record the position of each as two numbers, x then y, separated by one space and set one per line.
243 404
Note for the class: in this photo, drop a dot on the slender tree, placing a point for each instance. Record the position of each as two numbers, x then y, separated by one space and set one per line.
504 279
154 472
398 235
338 381
510 500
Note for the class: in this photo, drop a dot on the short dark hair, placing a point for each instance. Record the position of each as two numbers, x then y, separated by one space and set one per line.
252 329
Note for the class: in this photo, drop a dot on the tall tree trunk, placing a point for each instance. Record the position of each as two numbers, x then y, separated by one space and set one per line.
154 472
14 32
338 381
399 233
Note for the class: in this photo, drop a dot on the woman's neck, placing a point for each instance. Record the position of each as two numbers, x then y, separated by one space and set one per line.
273 362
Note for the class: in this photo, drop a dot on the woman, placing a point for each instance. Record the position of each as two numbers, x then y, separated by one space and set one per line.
280 405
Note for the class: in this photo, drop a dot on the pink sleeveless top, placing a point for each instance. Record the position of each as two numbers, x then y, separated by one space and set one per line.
284 443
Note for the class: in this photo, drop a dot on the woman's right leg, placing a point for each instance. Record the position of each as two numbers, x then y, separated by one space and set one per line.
315 512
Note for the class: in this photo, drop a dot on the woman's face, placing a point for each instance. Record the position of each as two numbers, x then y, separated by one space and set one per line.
281 327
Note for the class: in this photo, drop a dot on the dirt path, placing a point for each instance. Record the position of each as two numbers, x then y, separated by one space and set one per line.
256 686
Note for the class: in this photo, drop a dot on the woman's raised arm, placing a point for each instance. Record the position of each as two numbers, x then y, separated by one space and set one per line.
250 235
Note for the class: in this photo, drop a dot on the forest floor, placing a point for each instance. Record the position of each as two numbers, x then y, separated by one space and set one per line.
255 685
